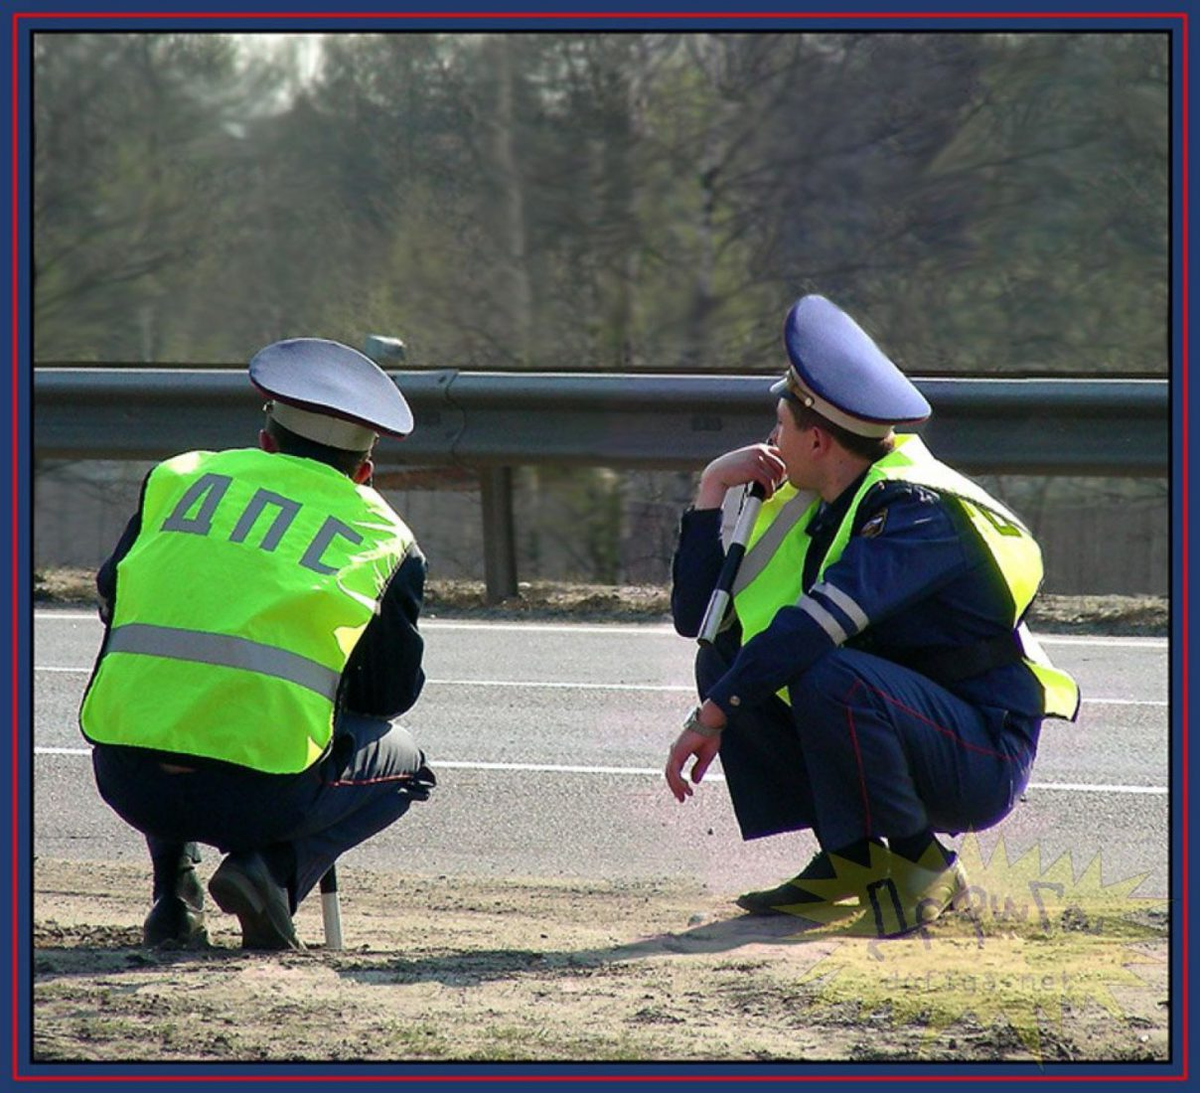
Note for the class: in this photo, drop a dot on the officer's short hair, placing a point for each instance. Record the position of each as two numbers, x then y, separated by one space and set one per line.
293 444
872 448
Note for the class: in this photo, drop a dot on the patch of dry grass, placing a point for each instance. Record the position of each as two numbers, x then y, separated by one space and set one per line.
1118 615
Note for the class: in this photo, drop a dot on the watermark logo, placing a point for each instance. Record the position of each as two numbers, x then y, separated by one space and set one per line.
1029 942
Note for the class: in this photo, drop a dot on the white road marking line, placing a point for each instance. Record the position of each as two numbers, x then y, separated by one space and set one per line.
1119 643
564 768
1125 701
1092 787
664 688
653 629
656 629
563 685
526 683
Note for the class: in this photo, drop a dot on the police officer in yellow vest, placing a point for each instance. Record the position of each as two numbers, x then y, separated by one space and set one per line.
873 680
261 638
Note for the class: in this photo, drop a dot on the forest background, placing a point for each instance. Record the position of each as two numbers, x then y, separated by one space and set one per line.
986 204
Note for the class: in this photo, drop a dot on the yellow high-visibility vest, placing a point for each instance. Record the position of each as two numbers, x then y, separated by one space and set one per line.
771 575
250 582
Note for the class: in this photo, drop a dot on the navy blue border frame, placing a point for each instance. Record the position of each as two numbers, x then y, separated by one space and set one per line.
16 896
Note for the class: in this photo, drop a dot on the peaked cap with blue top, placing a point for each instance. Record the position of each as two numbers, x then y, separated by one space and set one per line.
837 370
330 393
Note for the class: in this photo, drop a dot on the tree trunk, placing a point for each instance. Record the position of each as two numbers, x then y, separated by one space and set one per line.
512 291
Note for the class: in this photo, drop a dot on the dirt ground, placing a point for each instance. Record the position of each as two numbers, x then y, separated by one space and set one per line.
538 969
543 970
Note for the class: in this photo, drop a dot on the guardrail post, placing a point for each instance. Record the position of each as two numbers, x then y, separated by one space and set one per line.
499 539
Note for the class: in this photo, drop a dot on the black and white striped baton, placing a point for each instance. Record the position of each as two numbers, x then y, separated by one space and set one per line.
718 602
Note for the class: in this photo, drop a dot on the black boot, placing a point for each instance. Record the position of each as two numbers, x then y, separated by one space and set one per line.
176 920
819 883
244 885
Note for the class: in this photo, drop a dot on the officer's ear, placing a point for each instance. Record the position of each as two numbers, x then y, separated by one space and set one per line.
267 442
362 476
822 440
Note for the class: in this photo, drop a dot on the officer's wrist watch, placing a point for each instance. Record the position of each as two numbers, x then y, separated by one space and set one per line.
694 724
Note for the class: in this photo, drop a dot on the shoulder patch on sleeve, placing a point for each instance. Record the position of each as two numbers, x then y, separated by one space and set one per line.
874 525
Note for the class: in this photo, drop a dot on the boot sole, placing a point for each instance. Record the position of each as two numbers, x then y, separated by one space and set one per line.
782 907
237 894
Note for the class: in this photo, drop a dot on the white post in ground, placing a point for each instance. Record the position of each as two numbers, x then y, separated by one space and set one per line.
331 909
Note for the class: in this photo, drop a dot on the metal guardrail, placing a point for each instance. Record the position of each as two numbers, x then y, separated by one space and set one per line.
983 426
494 421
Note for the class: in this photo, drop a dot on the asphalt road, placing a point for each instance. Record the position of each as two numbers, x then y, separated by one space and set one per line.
549 740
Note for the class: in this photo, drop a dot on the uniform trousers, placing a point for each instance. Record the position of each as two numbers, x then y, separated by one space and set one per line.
867 748
299 823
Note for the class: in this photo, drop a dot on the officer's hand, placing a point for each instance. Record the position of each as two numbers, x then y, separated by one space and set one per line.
759 463
704 748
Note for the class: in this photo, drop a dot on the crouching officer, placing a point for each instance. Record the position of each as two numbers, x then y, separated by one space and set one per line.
873 680
261 636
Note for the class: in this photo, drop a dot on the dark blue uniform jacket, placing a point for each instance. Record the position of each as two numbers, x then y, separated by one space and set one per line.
924 580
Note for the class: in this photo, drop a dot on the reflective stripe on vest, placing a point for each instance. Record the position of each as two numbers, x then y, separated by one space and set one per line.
775 580
777 517
225 650
238 606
